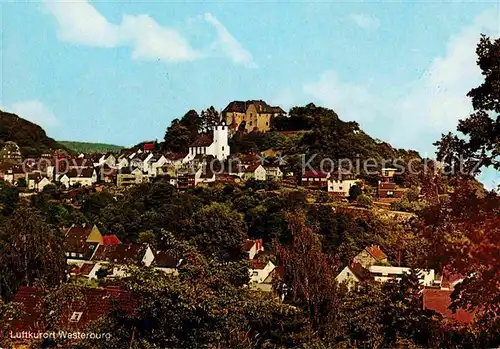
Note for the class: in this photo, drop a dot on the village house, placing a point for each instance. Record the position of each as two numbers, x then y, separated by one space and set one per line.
91 305
382 273
84 177
315 179
252 247
126 177
204 176
107 174
255 115
273 172
166 262
340 182
352 274
259 271
371 255
80 243
13 173
386 187
185 180
214 144
10 153
174 159
108 159
116 258
257 172
37 182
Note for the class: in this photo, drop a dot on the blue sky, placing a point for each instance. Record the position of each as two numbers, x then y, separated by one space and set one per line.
120 71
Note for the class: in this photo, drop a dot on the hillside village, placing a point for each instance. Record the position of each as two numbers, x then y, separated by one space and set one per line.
227 202
209 163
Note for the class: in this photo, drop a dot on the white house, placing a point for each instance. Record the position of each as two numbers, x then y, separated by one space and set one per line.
252 247
85 177
259 271
257 172
154 166
273 172
352 274
340 183
382 273
42 183
204 176
215 144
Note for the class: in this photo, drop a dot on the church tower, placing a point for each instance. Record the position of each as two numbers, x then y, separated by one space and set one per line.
220 143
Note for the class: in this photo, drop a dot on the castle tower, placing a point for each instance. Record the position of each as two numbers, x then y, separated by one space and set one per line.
220 144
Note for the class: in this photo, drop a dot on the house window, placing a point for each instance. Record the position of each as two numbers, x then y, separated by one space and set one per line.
73 254
80 255
76 316
67 254
250 123
255 273
222 148
267 123
340 188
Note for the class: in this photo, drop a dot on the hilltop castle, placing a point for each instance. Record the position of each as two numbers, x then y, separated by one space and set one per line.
250 115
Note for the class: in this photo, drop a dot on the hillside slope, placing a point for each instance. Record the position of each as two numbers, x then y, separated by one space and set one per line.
88 147
31 138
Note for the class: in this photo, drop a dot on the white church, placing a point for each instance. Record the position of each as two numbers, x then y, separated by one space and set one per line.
215 144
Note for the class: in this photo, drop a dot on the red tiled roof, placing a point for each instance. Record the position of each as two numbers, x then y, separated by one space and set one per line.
95 304
149 146
85 269
439 301
248 244
450 279
360 272
108 240
165 260
387 185
258 265
376 252
123 253
251 168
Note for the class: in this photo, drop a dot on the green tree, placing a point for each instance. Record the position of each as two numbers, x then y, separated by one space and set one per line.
354 192
9 197
481 129
364 200
30 252
219 231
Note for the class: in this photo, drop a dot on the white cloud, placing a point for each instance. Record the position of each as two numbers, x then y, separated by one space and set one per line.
350 101
151 41
229 45
81 23
365 21
284 99
433 104
34 111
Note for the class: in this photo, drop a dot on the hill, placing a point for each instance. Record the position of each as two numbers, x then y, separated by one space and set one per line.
31 138
87 147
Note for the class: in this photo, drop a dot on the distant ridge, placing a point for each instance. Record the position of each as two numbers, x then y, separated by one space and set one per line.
88 147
